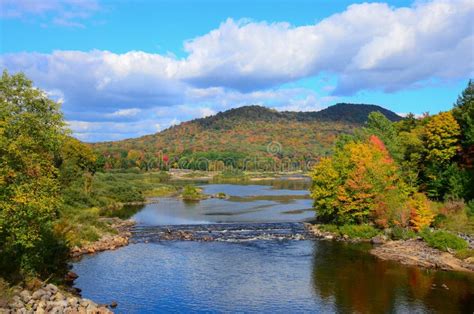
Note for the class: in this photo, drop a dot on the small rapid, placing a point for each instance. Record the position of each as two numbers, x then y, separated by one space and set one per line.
231 232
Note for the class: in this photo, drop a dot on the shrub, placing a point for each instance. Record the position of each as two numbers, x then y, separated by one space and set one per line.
470 208
399 233
359 231
439 220
329 228
192 193
443 240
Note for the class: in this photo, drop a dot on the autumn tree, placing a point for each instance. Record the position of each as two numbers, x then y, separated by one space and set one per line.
442 138
356 184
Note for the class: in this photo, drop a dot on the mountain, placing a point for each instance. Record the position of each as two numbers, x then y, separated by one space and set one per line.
248 131
351 113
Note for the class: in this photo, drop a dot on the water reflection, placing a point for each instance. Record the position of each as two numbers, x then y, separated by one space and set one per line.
359 282
266 277
247 203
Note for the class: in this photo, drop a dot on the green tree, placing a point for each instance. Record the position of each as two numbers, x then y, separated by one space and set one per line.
464 113
383 128
31 134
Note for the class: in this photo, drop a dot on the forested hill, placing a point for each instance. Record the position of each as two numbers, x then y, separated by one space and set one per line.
247 131
351 113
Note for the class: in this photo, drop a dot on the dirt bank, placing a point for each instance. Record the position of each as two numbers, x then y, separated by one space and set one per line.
418 253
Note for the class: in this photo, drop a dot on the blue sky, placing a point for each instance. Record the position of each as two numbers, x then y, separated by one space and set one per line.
129 68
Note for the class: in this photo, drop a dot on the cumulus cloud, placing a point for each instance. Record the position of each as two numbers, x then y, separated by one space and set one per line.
369 46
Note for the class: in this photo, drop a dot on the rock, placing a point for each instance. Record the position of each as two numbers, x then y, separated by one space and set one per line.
70 277
16 304
38 294
329 237
59 297
72 301
379 239
52 288
113 304
444 286
25 296
57 310
469 260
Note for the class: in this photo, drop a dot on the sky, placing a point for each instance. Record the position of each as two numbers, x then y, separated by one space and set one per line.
125 68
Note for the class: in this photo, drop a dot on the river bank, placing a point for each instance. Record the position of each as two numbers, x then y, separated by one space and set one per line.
109 241
47 298
413 252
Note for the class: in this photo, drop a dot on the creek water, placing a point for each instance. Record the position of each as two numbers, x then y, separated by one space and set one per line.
253 267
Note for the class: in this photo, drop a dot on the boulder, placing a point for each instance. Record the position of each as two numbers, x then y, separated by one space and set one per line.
25 296
52 288
379 239
38 294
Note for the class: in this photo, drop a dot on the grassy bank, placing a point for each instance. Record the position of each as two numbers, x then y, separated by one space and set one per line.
111 194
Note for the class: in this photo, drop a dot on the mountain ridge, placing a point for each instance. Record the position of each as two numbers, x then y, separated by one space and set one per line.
247 130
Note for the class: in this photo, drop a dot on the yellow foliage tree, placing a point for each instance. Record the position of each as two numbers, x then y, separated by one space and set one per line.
442 138
421 213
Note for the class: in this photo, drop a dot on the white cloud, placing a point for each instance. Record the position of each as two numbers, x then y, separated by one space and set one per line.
126 112
369 46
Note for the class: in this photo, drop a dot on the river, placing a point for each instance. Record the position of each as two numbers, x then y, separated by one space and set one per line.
258 272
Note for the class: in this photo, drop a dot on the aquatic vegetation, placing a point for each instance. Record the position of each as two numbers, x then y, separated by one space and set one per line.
192 193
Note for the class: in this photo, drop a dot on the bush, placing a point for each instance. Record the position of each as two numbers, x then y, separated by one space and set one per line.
470 208
439 220
443 240
399 233
192 193
359 231
329 228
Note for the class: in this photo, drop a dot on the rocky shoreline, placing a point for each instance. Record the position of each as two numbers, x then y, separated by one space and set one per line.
107 242
416 252
413 252
48 298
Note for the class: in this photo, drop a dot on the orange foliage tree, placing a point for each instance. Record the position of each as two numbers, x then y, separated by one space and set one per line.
359 184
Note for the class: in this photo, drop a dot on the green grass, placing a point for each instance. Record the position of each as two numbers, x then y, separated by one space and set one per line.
464 253
443 240
111 194
352 231
359 231
329 228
